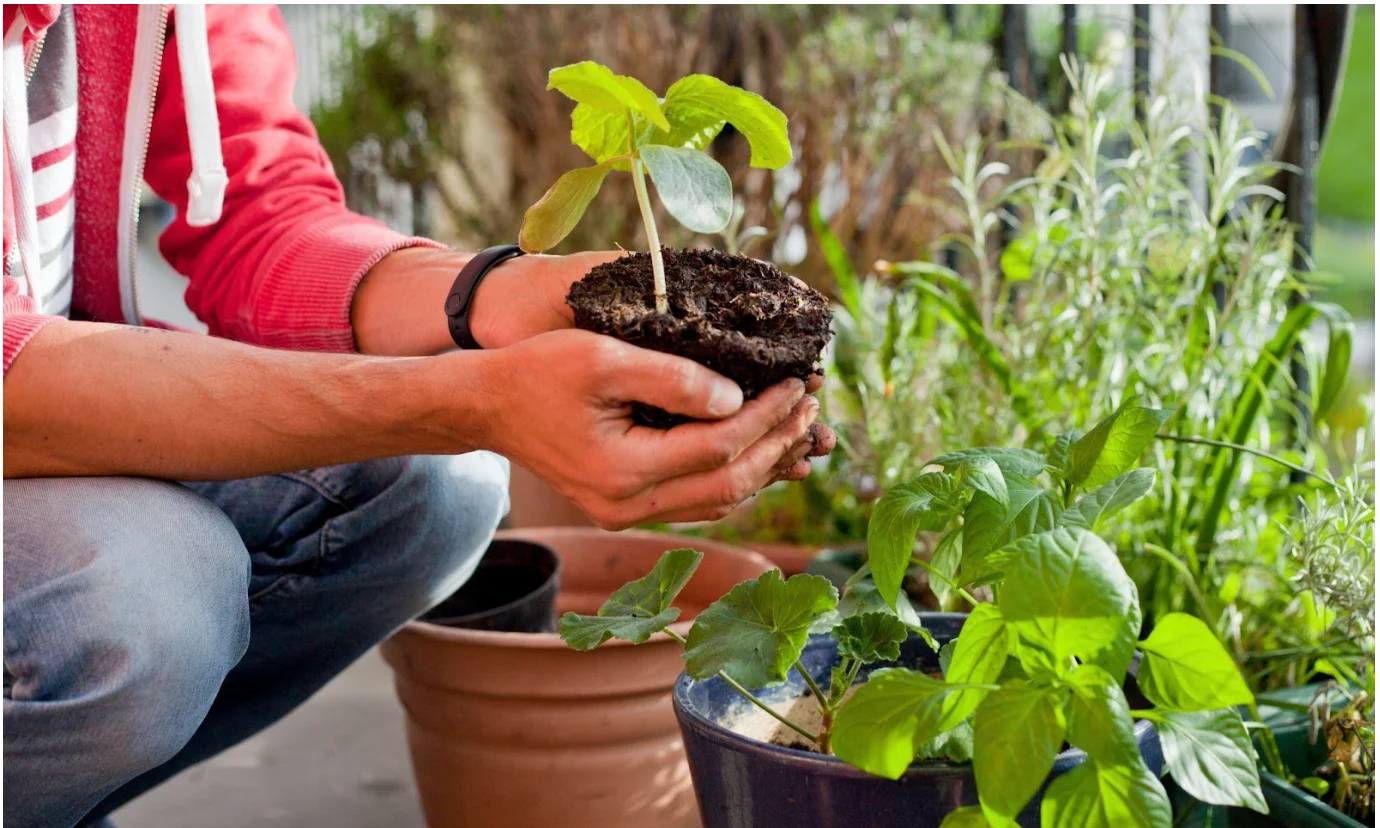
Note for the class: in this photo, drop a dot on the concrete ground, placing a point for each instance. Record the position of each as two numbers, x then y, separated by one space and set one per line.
340 760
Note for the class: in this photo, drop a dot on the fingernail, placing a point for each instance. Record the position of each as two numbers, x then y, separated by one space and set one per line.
725 398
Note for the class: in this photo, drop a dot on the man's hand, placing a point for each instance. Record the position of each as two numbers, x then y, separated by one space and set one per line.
525 296
562 408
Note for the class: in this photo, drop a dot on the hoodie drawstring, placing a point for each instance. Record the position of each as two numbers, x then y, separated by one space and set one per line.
16 118
206 186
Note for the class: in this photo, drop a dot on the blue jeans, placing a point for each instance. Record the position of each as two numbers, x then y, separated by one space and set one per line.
149 625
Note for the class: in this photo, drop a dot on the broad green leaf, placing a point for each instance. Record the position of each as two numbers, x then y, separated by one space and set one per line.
1099 719
888 719
1116 657
1023 462
953 745
1066 592
928 502
945 561
1017 732
1099 795
756 632
638 608
863 597
591 83
1115 445
988 527
1186 668
1209 754
984 475
694 187
871 636
601 134
696 102
1091 509
979 656
552 218
969 816
1057 458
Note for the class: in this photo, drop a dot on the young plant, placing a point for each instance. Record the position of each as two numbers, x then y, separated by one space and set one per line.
623 125
1040 665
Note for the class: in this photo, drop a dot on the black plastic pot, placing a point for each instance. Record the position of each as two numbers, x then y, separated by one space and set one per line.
744 783
513 590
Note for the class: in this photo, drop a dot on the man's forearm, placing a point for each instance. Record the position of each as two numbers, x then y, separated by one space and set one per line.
91 399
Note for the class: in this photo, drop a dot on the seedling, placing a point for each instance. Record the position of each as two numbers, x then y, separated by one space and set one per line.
622 125
1041 665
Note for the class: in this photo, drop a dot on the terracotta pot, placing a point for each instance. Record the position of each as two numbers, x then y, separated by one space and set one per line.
534 503
516 729
791 558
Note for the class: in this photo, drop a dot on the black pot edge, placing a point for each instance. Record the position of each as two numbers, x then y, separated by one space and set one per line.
460 621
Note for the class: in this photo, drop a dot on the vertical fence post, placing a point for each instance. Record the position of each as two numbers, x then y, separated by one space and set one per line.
950 252
1219 22
1140 31
1069 46
1302 201
1015 62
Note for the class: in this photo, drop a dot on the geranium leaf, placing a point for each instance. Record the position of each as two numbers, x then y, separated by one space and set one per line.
552 218
695 188
1091 509
871 636
1017 731
591 83
1066 593
756 632
1100 795
700 104
1186 668
1209 754
637 609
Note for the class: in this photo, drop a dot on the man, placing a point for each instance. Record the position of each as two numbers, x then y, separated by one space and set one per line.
340 441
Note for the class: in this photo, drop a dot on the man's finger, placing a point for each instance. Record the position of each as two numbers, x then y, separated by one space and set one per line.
823 439
671 383
704 446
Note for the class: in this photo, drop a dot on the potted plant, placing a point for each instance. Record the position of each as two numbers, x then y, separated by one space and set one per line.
737 315
512 728
1014 714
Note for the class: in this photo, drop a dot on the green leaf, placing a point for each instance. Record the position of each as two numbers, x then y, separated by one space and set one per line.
953 745
863 597
1209 754
1336 368
697 102
638 608
1099 719
1057 457
1115 445
694 187
987 526
591 83
979 655
1018 258
601 134
945 561
1186 668
927 503
756 632
984 475
1017 461
1017 732
1098 795
871 636
888 719
1066 592
1116 657
552 218
1091 509
969 816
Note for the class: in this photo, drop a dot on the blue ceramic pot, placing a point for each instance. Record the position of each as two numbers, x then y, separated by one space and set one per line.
744 783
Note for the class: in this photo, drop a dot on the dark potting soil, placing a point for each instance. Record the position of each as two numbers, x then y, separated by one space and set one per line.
737 316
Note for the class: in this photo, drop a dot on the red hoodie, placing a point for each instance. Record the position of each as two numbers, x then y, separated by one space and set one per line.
281 265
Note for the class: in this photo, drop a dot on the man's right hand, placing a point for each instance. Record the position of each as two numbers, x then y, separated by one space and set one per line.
561 407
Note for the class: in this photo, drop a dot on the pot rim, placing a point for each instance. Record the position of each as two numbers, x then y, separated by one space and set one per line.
809 761
552 641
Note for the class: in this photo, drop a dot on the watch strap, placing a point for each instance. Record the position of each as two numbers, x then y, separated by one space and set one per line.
461 296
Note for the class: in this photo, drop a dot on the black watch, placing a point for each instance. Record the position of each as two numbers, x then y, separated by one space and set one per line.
461 295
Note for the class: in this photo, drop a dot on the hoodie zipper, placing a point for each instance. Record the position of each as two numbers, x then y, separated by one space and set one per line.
138 183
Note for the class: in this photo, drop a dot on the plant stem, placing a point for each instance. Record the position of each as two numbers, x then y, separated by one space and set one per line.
745 693
928 567
653 239
1198 441
814 688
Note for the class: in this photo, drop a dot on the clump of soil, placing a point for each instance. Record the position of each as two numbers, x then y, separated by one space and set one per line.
737 316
